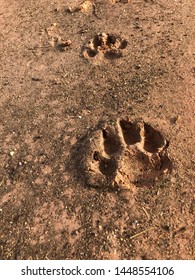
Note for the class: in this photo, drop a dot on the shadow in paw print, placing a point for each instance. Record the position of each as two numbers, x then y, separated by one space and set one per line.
62 46
111 39
98 41
112 142
107 166
131 132
111 147
92 53
112 54
166 163
123 44
153 139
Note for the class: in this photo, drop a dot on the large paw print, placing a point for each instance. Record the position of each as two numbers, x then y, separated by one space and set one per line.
104 45
125 155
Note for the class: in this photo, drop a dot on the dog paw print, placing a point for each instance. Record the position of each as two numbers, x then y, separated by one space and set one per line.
56 38
126 154
104 45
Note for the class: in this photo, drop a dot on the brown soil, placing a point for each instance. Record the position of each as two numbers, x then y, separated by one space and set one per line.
97 129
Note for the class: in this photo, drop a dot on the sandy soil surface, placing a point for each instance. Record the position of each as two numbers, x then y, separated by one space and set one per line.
97 129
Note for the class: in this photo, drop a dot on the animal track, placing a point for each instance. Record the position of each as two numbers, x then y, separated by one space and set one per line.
104 45
126 154
55 37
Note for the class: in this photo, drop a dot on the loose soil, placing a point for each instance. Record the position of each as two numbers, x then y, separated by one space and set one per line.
97 129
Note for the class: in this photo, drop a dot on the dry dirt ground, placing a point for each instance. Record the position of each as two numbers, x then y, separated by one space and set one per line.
97 129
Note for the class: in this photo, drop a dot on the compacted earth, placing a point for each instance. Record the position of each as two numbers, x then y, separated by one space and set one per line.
97 129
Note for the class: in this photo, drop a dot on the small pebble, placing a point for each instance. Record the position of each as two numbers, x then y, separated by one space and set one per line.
12 153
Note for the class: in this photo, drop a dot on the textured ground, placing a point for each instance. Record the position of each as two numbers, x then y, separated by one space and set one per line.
69 71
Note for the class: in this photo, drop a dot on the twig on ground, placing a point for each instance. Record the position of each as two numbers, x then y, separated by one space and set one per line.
1 183
142 232
145 211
